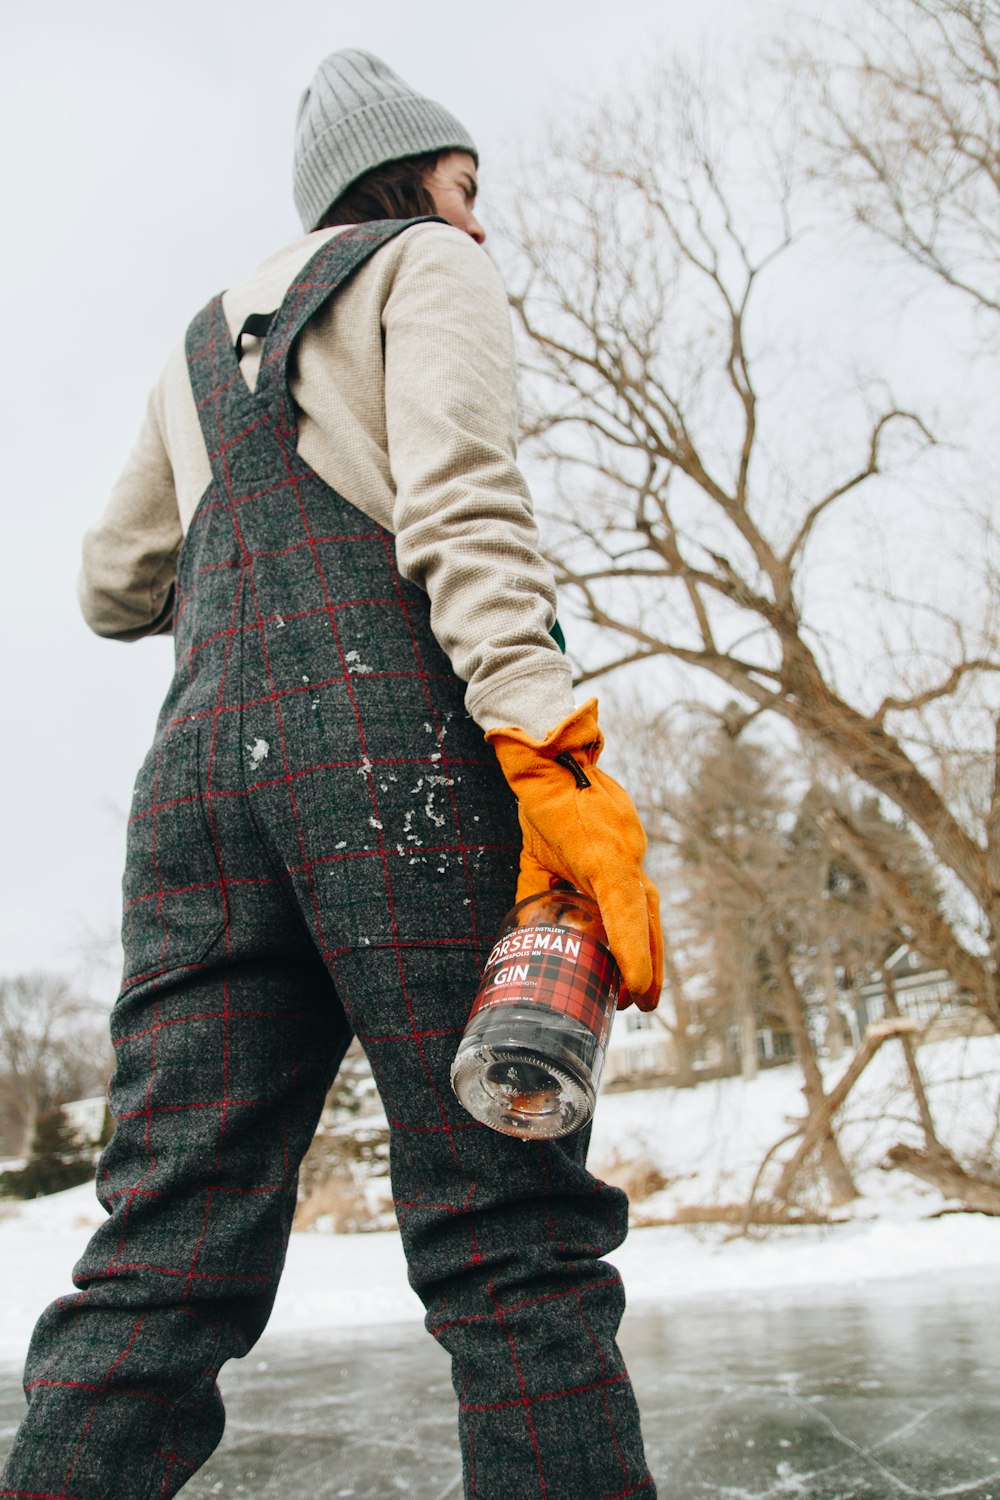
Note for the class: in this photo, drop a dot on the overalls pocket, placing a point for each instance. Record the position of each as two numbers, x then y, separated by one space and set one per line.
174 899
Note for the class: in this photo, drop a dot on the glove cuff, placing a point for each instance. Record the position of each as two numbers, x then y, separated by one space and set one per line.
578 733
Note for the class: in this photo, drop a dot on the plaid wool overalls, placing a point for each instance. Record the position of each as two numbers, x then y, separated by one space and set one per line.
320 842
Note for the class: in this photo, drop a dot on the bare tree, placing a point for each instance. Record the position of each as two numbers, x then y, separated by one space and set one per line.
908 128
730 850
767 909
741 904
51 1049
692 488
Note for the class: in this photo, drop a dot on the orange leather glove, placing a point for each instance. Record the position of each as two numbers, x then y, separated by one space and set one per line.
578 824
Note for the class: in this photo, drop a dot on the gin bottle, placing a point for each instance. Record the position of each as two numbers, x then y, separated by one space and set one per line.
530 1059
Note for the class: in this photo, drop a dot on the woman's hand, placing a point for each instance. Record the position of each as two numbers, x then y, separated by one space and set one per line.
578 824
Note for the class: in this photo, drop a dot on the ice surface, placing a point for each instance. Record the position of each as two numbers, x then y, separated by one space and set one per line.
886 1392
847 1363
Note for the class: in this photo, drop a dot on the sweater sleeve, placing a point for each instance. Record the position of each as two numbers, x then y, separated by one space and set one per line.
126 581
465 530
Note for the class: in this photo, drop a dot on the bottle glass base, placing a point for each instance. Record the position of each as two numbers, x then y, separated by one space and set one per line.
508 1079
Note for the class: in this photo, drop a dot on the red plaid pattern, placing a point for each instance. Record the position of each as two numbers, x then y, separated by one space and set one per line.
580 980
320 842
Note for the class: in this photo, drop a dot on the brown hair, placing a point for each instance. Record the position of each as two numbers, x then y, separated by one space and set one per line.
395 190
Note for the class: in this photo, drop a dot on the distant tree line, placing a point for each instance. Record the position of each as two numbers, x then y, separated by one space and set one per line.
53 1048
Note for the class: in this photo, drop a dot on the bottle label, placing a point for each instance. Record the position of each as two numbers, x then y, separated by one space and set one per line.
559 967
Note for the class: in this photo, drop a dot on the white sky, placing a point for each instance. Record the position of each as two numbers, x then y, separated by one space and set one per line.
146 165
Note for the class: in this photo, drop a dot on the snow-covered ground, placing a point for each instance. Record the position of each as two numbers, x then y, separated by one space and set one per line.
707 1142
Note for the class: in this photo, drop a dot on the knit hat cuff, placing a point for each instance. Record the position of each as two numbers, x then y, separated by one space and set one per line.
353 144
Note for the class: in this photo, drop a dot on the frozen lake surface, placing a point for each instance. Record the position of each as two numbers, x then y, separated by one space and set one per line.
889 1389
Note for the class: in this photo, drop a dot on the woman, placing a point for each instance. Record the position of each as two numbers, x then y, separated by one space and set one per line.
322 841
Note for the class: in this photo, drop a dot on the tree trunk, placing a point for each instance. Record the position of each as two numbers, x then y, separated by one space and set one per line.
879 759
831 995
916 1081
932 934
748 1036
839 1179
680 1031
24 1100
834 1025
942 1171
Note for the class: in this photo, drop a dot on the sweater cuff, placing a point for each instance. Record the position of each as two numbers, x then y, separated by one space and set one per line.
535 702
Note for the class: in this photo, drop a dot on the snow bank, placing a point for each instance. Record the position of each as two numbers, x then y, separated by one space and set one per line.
359 1281
707 1141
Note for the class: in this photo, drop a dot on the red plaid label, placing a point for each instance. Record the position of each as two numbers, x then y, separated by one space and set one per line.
559 967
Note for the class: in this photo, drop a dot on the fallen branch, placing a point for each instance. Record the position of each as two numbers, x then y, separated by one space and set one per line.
942 1171
819 1120
736 1213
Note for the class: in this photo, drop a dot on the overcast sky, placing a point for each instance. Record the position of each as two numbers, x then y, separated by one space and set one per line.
146 165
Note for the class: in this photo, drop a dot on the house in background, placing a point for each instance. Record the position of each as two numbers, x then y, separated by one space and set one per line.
640 1048
922 991
86 1116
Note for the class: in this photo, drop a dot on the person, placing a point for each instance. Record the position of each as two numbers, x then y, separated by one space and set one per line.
324 506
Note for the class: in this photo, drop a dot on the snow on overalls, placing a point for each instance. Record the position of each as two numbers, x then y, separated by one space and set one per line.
321 841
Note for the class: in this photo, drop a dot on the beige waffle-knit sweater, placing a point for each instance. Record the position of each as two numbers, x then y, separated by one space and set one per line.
407 407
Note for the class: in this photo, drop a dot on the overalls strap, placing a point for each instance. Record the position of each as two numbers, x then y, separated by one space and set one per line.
227 410
316 283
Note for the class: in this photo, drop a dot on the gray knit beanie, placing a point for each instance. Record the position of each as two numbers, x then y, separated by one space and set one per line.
355 115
